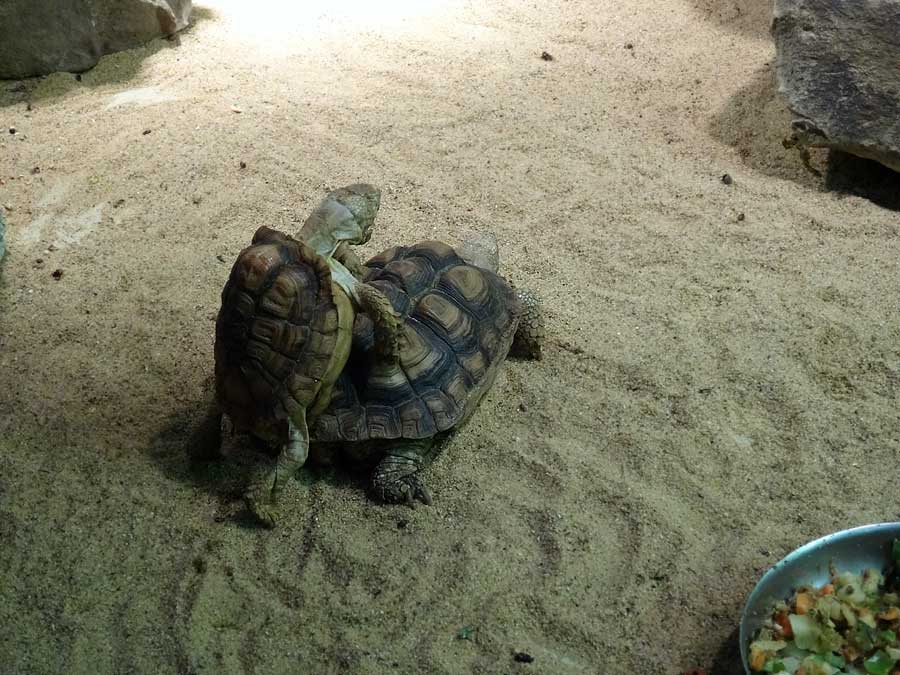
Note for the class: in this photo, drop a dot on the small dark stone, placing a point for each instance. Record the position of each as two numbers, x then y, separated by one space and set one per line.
546 56
197 199
522 407
28 106
727 179
199 565
57 274
35 171
147 131
401 524
741 217
243 164
12 130
523 657
628 45
118 203
220 258
78 77
39 261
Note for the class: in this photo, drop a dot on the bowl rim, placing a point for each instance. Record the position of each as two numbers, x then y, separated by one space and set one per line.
794 555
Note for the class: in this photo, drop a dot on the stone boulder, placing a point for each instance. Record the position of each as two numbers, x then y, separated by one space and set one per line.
838 66
38 37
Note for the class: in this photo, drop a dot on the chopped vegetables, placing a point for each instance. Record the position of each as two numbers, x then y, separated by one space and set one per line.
847 627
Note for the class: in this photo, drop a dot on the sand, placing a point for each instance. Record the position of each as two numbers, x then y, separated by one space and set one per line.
719 386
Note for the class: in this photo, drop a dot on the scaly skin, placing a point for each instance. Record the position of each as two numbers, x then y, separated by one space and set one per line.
346 216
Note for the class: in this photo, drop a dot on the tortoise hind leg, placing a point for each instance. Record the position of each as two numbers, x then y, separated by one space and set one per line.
396 478
530 333
262 495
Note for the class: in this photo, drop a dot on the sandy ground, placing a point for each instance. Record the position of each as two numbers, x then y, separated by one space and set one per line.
720 381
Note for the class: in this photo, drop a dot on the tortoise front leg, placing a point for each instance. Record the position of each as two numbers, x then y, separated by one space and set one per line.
262 495
396 478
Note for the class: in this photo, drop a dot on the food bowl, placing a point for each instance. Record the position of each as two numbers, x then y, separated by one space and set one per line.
848 551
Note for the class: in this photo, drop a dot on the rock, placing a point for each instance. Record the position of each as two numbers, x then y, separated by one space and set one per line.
38 37
837 66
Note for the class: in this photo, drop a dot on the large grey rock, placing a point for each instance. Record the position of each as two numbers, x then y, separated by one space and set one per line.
38 37
838 66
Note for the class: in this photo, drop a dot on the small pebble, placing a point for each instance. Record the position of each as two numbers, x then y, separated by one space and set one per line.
546 56
28 106
78 77
39 261
522 407
147 131
401 524
35 171
197 199
727 179
220 258
741 217
628 45
523 657
8 208
118 203
243 164
12 130
57 274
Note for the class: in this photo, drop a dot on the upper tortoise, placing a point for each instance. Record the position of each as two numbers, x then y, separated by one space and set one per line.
380 363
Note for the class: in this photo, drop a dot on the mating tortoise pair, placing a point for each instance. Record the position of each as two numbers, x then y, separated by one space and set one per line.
380 360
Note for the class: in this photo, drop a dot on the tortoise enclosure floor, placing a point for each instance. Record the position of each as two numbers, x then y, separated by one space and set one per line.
720 381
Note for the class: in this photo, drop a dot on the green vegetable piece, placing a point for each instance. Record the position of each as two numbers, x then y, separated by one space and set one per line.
806 631
879 663
862 637
774 666
465 633
835 660
887 636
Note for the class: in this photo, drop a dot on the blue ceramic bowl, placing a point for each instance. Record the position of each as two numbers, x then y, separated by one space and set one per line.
848 551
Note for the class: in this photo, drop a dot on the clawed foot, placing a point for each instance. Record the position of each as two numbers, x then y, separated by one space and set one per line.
407 489
261 498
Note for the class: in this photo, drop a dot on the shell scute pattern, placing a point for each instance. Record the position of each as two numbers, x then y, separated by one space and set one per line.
276 330
458 321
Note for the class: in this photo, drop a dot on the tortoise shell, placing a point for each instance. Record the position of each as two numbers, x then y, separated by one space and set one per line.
458 322
276 331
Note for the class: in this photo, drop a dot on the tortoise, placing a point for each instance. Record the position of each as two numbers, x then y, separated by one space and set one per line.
383 363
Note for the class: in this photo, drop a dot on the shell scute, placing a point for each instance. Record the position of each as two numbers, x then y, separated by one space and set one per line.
457 321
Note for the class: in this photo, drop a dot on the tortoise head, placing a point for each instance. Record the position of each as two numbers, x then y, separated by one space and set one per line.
345 215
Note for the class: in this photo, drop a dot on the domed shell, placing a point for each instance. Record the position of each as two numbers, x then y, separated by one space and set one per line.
458 323
276 331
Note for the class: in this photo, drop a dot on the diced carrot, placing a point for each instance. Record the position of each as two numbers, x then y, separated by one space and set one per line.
804 602
757 659
827 589
890 614
784 625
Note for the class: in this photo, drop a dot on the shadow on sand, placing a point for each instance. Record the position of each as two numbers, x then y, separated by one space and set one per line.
185 451
755 121
116 68
747 17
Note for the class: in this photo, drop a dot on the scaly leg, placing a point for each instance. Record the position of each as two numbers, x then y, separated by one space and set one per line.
348 258
396 478
262 495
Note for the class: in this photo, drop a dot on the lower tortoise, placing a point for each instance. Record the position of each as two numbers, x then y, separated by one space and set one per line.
379 366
